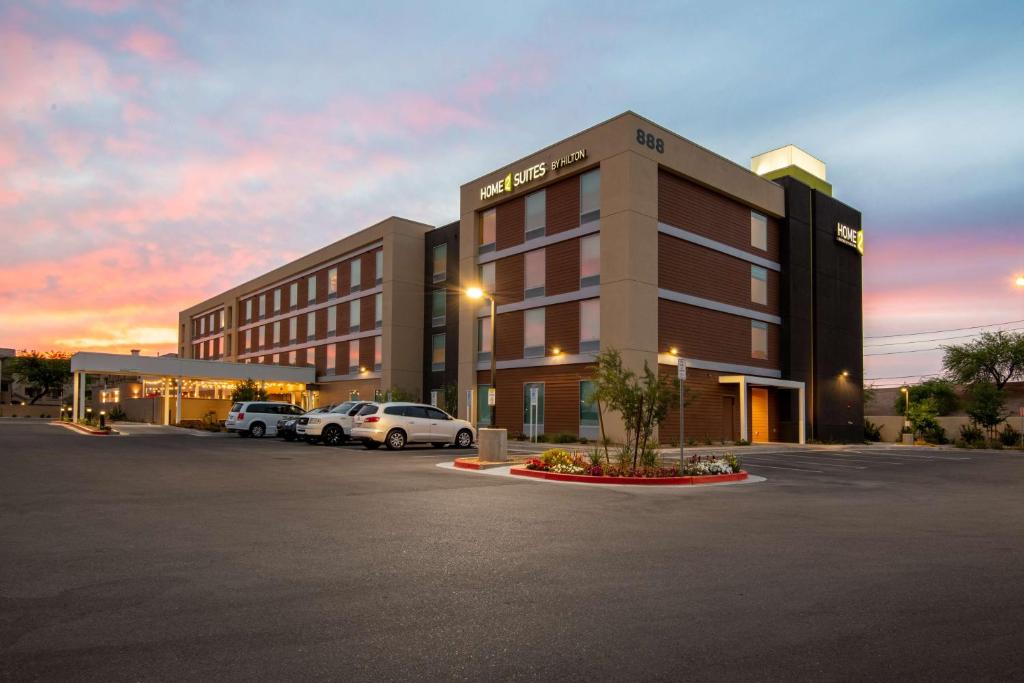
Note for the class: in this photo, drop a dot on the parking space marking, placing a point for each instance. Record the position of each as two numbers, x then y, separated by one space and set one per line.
843 457
912 456
779 467
821 464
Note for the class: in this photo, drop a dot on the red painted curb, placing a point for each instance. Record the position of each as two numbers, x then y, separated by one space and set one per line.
465 464
646 481
85 430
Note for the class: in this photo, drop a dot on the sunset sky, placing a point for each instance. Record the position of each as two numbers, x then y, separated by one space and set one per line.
155 153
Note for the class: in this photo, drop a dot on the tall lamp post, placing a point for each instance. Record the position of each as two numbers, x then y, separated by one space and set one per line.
478 293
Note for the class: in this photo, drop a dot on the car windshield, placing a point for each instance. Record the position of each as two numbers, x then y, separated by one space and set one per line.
344 407
368 409
235 407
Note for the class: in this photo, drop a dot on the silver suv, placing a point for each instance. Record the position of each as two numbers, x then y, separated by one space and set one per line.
396 424
258 418
332 427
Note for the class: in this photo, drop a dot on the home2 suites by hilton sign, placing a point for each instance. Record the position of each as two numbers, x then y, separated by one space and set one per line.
514 181
851 237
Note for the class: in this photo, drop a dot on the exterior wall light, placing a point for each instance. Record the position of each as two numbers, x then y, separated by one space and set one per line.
845 373
556 351
674 351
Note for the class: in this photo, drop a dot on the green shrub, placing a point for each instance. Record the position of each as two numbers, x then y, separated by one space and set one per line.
117 414
1009 437
971 434
556 456
741 442
563 438
595 457
872 432
934 434
649 456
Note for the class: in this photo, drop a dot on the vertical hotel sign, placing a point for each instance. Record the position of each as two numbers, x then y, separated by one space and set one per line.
851 237
517 179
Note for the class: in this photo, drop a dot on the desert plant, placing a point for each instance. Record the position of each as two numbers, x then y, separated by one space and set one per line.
649 456
117 414
985 406
1009 437
872 432
971 435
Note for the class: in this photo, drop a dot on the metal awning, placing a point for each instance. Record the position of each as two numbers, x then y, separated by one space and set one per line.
745 381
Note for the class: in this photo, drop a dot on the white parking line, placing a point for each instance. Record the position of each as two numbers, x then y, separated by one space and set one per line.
779 467
824 464
912 456
843 457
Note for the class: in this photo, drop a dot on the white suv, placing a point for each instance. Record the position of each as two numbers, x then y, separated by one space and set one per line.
332 427
396 424
258 418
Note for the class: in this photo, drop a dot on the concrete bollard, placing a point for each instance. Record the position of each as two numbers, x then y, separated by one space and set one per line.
493 444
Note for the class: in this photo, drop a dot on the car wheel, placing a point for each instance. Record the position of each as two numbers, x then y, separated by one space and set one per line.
257 430
464 439
438 444
333 435
371 445
395 440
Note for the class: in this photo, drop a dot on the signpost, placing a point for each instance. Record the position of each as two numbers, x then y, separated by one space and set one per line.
534 395
433 398
681 371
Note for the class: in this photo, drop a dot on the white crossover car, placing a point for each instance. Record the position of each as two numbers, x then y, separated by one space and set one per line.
258 418
396 424
333 427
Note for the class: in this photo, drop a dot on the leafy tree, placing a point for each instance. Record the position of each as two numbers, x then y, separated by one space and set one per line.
922 416
248 390
43 373
942 391
996 357
986 406
450 397
400 394
868 394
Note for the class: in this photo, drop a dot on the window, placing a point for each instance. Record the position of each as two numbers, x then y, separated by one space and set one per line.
590 261
222 314
248 309
440 262
378 353
437 353
378 310
438 307
263 305
311 289
332 320
355 275
758 231
590 326
248 340
378 266
533 333
488 230
353 356
590 196
589 422
436 414
536 214
483 339
212 325
353 315
758 339
277 301
533 413
276 359
293 295
331 350
310 326
332 282
293 330
533 278
487 277
202 326
483 411
759 285
277 333
263 336
292 356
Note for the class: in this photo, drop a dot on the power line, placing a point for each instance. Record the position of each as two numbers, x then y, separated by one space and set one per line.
952 329
922 341
893 353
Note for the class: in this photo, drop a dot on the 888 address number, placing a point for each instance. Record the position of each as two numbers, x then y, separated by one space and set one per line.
650 140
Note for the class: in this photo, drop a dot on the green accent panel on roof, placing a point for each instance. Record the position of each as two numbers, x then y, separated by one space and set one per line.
803 176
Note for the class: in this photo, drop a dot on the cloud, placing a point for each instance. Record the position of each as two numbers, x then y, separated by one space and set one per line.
150 44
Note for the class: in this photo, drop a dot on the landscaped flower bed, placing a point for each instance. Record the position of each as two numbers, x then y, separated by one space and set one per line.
562 465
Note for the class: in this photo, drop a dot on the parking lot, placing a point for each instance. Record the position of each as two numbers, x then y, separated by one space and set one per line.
167 554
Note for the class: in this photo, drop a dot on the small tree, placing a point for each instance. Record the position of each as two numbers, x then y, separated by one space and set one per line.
922 416
941 391
248 390
996 357
400 394
986 406
43 373
450 397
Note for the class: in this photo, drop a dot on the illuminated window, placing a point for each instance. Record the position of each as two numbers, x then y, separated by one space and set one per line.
222 318
536 214
276 359
590 261
353 315
355 275
378 311
263 336
437 352
378 353
293 295
310 326
277 301
438 308
533 333
758 339
590 326
292 357
488 230
332 320
353 356
332 282
590 196
378 266
311 289
487 277
758 285
331 351
440 262
758 231
248 340
483 339
533 277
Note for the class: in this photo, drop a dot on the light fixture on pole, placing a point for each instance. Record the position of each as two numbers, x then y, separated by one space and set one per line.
478 293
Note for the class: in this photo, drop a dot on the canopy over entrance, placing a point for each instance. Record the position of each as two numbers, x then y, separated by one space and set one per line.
747 381
175 373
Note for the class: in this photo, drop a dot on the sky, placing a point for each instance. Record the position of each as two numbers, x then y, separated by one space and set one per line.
155 153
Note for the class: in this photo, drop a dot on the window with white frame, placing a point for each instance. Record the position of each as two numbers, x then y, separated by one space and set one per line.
293 295
293 330
277 332
277 300
263 305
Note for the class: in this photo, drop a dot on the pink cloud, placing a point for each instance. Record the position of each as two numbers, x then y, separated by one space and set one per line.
150 44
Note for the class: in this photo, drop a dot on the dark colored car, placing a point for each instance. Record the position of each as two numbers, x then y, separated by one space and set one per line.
286 425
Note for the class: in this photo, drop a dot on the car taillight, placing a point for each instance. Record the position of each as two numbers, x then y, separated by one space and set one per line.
241 416
372 419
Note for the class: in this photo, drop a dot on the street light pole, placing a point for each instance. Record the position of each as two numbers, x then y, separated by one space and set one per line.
494 360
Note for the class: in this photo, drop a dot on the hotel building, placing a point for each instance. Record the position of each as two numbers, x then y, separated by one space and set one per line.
623 236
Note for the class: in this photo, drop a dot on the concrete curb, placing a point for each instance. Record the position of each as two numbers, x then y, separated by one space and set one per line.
635 481
88 431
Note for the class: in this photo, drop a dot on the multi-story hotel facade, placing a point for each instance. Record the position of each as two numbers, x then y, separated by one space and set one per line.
625 236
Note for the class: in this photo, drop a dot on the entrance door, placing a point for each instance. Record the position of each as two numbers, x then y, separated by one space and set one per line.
728 428
759 414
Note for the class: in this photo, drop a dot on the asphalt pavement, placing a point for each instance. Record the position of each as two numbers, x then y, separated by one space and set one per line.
170 555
